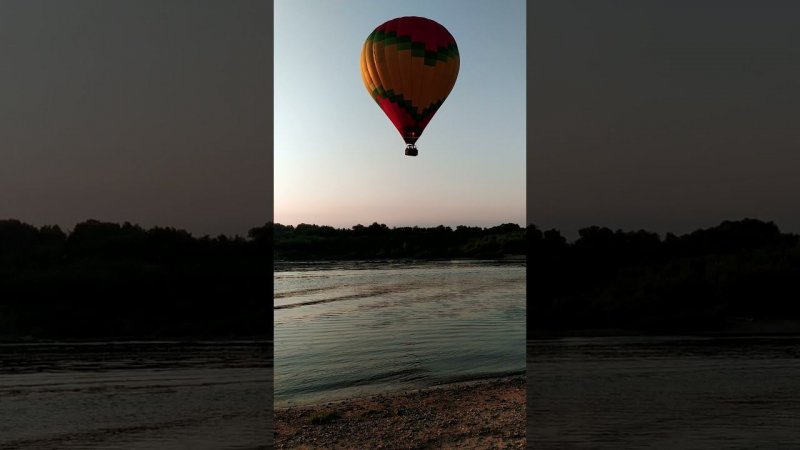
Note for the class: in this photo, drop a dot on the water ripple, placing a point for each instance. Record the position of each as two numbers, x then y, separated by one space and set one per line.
402 327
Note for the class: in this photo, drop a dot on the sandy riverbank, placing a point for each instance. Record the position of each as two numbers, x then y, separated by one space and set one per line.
484 414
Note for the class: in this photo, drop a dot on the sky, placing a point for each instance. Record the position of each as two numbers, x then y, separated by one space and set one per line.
664 115
148 111
339 161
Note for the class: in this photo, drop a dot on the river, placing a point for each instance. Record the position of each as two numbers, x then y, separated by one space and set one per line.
679 392
358 328
136 395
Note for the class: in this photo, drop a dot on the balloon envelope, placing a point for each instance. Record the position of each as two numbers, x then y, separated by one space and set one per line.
409 66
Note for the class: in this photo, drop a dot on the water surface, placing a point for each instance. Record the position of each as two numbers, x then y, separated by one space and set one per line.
664 392
136 395
347 329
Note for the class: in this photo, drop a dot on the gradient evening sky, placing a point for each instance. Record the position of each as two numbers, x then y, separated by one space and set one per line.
149 111
338 159
667 115
663 115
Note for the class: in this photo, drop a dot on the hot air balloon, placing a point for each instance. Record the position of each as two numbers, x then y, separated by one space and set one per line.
409 66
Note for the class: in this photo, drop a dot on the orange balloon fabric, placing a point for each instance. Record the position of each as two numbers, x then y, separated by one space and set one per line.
409 66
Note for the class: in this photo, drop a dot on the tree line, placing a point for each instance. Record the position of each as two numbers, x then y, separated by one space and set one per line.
378 241
715 279
120 280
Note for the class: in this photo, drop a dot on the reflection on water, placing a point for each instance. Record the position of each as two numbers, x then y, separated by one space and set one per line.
131 395
664 392
344 329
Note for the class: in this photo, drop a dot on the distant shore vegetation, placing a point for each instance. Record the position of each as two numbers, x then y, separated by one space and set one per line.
109 280
106 279
377 241
738 277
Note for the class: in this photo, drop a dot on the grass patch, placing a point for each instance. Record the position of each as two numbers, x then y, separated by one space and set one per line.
324 416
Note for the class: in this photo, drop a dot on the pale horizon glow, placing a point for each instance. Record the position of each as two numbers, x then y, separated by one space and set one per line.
338 159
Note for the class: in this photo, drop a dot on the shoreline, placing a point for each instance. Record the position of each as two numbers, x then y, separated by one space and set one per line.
506 258
486 413
735 328
134 340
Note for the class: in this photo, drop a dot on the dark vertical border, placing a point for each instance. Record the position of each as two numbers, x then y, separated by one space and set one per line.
269 122
530 158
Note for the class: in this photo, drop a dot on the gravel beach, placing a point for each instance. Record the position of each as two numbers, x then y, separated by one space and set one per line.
487 414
